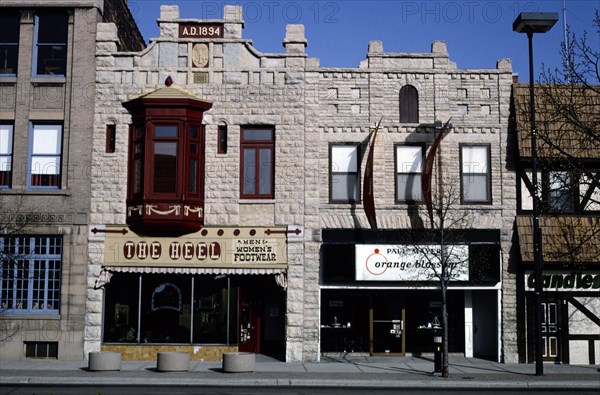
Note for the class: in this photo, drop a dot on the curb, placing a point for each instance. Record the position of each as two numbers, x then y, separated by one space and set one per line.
297 382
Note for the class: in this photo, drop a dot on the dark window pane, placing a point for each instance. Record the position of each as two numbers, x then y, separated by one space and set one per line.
210 318
193 132
8 58
10 27
165 167
222 140
166 306
192 183
139 133
265 172
560 194
257 134
137 176
30 350
165 131
121 308
111 138
53 349
52 28
409 104
249 172
51 59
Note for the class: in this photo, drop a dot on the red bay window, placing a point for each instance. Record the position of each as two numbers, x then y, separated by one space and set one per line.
165 192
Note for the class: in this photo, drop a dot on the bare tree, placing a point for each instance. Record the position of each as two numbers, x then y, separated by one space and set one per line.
568 106
442 253
568 129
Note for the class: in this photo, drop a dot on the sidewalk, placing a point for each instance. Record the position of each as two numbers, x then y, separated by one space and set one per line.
341 371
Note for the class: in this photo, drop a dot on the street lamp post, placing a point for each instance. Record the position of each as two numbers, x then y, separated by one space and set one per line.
535 22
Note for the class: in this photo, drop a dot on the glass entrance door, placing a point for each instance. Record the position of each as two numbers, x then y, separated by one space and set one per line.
387 322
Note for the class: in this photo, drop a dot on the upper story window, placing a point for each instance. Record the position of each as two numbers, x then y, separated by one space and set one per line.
475 174
409 104
344 173
561 191
6 149
30 274
45 155
222 139
50 51
164 159
9 42
409 168
111 139
165 191
257 148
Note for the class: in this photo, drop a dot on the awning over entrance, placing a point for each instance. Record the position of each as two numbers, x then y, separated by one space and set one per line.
192 270
212 251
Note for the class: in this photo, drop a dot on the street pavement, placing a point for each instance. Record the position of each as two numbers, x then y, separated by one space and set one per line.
351 371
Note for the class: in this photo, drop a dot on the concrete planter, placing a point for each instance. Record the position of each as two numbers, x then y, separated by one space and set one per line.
173 362
104 360
238 362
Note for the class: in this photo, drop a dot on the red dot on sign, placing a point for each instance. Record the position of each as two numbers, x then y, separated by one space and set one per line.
377 250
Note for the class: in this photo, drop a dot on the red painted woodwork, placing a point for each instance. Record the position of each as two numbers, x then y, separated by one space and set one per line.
165 186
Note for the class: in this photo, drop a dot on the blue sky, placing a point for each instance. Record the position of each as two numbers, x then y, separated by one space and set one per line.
477 33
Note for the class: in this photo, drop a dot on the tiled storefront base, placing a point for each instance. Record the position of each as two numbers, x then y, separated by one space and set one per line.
148 352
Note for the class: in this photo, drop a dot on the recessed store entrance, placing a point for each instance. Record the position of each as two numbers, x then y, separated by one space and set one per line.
386 334
388 322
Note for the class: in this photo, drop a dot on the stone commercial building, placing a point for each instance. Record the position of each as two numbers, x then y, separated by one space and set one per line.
229 214
47 85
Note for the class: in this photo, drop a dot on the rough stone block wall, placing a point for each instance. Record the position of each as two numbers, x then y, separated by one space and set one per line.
310 108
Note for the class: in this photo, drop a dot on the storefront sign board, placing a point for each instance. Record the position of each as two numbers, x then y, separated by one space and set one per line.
381 262
565 281
218 247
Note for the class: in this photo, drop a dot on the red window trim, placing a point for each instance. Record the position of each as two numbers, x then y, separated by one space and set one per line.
257 145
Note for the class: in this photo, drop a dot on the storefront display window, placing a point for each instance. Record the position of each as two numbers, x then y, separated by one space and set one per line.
174 309
212 302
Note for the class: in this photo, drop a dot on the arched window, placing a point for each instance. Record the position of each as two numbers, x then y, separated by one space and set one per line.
409 104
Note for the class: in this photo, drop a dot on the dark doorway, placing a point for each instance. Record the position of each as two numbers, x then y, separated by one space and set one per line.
262 317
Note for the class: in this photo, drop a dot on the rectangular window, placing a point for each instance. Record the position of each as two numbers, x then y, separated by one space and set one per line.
45 155
561 191
409 168
138 158
51 31
344 174
257 163
475 169
6 147
164 169
111 138
41 349
222 140
9 42
30 275
194 159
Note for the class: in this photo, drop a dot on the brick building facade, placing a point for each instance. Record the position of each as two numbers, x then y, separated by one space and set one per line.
268 153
